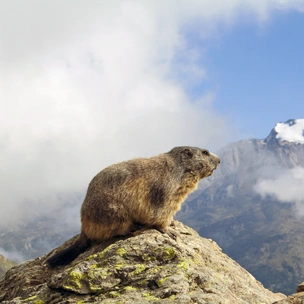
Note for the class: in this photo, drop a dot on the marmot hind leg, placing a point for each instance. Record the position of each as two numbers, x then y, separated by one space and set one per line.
99 231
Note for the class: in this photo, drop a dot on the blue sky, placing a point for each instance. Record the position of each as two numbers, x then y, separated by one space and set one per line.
257 72
84 84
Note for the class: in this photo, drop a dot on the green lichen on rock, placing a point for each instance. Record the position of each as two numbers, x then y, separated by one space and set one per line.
139 268
98 273
73 281
169 253
33 300
166 254
100 255
120 264
149 297
101 279
30 299
114 294
161 281
148 258
184 265
121 251
130 288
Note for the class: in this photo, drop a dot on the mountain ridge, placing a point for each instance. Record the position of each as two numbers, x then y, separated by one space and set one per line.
5 265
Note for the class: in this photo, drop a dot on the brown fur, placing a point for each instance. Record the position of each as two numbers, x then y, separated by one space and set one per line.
147 191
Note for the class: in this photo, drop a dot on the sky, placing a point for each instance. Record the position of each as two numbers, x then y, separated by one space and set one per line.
84 84
257 71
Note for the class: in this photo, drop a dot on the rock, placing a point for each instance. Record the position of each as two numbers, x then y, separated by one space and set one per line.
296 298
300 288
146 267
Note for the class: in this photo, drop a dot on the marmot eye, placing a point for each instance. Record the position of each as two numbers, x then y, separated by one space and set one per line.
205 152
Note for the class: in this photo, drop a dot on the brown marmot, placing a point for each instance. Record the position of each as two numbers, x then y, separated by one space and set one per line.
146 191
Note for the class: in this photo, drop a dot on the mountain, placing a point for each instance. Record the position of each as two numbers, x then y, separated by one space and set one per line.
253 205
147 267
30 239
5 265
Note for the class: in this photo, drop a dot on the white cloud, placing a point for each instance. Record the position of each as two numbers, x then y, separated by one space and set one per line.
85 84
15 256
286 186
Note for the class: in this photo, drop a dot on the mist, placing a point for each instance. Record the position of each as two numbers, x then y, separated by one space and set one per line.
13 255
285 186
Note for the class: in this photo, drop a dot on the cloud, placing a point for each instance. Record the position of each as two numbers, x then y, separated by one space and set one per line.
286 186
12 255
85 84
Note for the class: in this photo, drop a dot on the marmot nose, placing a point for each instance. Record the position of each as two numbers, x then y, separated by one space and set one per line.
218 160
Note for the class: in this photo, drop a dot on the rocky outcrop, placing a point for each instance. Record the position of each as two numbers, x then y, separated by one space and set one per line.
147 267
296 298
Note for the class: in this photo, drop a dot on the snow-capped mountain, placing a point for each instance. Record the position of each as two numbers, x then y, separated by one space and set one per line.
291 130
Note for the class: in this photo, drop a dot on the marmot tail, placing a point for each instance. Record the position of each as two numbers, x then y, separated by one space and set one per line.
71 253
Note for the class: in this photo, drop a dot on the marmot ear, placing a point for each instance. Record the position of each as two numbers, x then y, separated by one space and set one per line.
187 152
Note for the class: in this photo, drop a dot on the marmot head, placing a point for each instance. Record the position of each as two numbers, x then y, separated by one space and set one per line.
197 161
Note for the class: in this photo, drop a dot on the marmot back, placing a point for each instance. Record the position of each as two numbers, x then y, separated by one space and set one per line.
146 191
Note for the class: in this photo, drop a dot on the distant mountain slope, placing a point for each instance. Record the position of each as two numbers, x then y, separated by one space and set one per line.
30 239
250 206
5 265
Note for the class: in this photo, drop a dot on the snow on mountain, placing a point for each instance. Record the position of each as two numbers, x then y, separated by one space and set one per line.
291 130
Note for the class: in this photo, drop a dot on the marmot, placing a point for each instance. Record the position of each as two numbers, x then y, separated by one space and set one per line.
146 191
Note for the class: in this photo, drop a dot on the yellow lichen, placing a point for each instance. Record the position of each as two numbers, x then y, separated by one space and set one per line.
130 288
184 265
121 251
148 258
170 253
160 282
30 299
167 253
149 297
139 268
119 265
98 273
114 294
73 280
101 254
